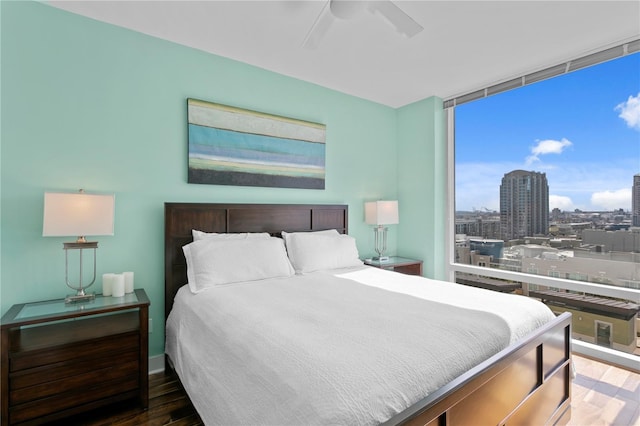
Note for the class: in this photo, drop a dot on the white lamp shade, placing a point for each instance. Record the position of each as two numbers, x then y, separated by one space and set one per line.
381 212
77 214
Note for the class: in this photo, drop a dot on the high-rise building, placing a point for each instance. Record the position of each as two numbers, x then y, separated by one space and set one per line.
635 201
524 205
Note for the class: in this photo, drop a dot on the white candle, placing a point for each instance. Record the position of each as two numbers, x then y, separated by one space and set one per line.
117 285
128 282
107 283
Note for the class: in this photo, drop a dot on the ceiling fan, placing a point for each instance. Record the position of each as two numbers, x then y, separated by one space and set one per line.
347 9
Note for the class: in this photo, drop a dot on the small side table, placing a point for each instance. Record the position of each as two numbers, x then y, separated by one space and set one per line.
403 265
60 359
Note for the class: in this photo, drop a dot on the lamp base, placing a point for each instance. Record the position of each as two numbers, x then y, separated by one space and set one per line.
380 258
79 298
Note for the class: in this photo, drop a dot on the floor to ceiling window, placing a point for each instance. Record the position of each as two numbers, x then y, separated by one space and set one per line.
547 193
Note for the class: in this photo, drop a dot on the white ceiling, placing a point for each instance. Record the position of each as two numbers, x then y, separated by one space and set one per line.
465 45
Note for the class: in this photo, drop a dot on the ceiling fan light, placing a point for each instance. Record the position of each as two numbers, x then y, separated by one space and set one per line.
346 9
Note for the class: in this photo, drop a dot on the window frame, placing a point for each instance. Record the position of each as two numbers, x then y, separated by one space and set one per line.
608 355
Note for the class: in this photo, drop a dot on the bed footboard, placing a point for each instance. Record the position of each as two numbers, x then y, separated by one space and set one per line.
528 383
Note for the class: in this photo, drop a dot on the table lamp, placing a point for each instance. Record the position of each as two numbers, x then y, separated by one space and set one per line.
78 214
380 213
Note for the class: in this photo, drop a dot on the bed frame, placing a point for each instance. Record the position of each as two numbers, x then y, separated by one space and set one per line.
526 383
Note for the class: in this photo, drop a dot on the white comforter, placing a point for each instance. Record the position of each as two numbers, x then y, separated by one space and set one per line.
334 347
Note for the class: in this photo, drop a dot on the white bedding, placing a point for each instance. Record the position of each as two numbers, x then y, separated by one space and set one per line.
343 347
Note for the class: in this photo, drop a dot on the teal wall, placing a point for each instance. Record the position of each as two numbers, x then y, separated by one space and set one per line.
94 106
422 183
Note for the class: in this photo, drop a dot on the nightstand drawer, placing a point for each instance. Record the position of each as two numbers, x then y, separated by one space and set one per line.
34 383
415 269
89 350
58 403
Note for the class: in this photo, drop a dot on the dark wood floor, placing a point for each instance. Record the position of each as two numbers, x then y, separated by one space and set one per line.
602 395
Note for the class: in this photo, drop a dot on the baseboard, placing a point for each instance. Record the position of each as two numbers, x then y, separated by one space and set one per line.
156 364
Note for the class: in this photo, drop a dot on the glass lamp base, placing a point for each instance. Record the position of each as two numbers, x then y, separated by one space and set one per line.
78 298
381 258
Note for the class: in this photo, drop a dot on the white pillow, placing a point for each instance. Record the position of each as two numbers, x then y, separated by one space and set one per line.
286 236
212 262
200 235
312 252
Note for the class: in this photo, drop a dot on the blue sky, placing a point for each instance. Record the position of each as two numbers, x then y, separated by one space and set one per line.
582 129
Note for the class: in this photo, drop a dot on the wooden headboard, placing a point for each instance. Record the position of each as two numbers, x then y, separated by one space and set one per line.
181 218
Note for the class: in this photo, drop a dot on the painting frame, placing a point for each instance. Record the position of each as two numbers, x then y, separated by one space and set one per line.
242 147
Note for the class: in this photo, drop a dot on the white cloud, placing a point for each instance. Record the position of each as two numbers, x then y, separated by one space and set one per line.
611 200
561 202
531 159
630 111
547 146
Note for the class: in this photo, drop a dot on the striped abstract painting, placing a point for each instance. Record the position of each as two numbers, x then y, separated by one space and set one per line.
233 146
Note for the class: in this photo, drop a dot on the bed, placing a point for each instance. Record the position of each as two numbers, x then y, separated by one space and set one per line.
524 381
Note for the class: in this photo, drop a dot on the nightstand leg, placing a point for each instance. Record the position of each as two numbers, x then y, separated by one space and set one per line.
144 357
4 376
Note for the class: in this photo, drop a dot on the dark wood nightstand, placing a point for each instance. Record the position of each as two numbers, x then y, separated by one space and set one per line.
403 265
61 359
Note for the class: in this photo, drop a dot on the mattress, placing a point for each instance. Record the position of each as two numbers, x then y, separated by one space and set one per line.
348 346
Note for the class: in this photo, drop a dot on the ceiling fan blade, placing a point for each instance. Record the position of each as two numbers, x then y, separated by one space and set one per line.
402 22
319 28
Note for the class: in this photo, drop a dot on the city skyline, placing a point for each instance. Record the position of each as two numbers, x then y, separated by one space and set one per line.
581 129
